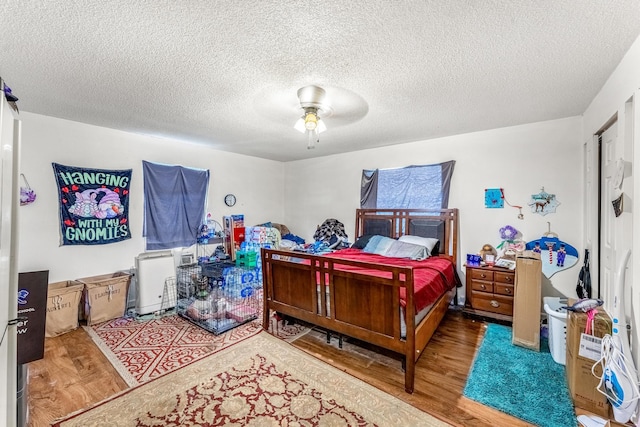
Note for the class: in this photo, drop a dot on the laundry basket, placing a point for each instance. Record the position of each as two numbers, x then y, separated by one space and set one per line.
557 320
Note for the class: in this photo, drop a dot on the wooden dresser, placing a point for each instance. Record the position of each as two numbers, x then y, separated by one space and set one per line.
490 292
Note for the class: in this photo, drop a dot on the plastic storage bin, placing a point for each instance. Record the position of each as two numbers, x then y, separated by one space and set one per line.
557 320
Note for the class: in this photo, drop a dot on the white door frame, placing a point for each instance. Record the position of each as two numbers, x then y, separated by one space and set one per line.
10 133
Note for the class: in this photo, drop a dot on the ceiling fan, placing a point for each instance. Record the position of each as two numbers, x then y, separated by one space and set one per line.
313 104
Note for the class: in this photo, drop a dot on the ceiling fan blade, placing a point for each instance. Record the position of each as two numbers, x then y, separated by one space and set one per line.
321 126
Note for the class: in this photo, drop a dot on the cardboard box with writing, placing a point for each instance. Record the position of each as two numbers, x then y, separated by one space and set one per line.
527 301
582 353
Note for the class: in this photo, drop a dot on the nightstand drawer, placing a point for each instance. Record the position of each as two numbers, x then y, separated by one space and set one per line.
503 289
502 277
478 285
478 274
493 303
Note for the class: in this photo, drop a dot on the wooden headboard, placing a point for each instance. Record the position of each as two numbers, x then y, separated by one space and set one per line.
439 224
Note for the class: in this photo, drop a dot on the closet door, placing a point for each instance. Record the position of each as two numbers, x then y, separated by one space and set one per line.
610 245
616 222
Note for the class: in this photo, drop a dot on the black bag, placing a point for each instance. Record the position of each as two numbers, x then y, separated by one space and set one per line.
583 288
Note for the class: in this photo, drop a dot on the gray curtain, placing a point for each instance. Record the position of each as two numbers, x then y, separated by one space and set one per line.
447 173
174 204
369 189
411 187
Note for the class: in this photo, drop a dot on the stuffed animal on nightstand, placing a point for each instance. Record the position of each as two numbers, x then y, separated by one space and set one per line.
492 253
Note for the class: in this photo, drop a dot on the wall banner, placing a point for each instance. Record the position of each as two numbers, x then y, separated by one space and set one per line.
94 205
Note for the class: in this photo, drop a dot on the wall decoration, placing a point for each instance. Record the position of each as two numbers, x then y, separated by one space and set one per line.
543 203
555 254
493 198
27 195
94 205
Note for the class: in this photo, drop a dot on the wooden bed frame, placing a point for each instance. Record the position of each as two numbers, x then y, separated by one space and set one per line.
359 305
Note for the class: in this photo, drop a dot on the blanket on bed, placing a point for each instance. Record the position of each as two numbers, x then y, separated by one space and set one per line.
432 277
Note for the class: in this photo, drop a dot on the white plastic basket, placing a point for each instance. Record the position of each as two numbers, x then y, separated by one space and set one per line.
557 321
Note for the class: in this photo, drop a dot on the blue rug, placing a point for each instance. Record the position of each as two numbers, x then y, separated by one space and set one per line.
523 383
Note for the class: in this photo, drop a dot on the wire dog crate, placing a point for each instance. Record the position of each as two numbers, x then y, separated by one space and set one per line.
218 296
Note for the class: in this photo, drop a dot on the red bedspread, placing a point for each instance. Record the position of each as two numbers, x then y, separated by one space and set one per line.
432 277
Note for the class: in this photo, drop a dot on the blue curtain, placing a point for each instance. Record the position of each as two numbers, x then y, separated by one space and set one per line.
411 187
174 204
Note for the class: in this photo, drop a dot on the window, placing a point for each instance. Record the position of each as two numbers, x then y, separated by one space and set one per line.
411 187
174 204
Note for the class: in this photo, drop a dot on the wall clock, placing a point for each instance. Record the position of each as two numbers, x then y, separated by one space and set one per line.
493 198
229 200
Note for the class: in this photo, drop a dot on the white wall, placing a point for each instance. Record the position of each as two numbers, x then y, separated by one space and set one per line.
257 184
520 159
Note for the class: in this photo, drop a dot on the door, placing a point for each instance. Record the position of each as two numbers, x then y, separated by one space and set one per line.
615 226
609 244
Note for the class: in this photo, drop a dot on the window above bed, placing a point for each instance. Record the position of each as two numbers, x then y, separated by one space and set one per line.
411 187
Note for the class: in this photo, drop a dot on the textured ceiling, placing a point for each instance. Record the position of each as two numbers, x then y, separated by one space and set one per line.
226 73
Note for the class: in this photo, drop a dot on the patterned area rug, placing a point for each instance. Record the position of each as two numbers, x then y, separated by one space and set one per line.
261 381
141 350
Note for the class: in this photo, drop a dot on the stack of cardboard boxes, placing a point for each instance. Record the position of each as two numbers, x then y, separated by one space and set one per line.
583 351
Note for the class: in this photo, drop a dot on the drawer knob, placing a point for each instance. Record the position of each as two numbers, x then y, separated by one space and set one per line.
507 290
483 287
483 275
495 303
508 279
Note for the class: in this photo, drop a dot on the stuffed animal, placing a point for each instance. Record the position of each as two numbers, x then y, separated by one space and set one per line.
488 250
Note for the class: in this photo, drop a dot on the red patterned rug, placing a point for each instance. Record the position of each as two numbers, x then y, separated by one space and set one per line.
141 350
260 381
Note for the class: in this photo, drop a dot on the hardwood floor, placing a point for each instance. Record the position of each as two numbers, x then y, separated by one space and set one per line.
75 374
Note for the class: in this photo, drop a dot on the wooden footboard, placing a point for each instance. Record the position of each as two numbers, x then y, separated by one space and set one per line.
358 305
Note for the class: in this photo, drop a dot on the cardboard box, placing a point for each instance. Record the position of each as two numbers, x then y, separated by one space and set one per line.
527 301
63 303
581 358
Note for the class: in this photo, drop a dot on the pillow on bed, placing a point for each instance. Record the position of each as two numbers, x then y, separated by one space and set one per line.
378 245
362 241
427 242
386 246
400 249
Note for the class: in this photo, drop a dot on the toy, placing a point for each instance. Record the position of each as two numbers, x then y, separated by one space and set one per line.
487 249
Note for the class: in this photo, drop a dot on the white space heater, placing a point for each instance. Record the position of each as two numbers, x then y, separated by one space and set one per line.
152 271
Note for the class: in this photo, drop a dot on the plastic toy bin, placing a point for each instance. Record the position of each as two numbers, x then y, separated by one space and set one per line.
557 321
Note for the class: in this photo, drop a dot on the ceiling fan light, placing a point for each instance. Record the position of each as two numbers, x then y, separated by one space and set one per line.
310 121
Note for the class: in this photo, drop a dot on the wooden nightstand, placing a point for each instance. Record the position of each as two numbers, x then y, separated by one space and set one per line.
490 292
